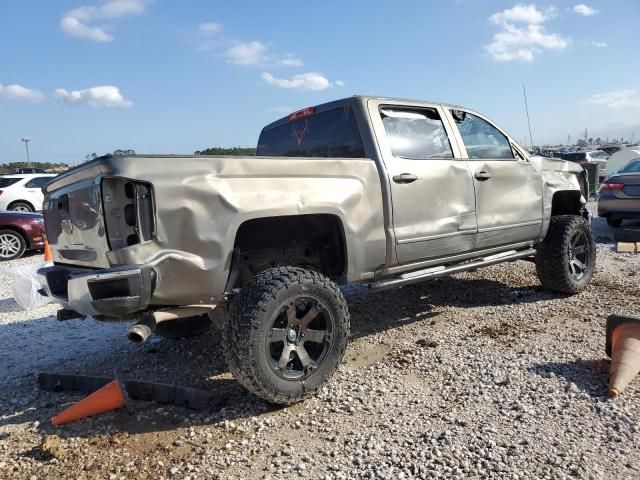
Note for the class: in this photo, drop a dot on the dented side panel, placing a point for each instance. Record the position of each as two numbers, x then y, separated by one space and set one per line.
202 201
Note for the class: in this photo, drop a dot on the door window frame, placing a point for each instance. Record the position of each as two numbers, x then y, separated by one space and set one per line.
386 153
519 154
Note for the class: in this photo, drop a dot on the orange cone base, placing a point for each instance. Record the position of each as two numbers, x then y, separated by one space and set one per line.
623 344
110 397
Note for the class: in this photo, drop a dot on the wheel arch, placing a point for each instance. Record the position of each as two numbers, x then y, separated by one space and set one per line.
317 240
33 208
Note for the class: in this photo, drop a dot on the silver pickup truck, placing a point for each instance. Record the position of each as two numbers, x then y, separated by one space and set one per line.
370 190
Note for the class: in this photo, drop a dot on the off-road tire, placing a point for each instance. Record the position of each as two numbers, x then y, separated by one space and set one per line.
250 320
614 222
553 255
21 207
183 327
16 245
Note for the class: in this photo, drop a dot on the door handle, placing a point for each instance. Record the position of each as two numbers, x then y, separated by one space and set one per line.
405 178
482 175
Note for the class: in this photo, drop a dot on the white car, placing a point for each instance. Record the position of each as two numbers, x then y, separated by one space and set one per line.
22 193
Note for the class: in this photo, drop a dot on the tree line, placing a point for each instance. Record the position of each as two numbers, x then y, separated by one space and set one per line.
8 168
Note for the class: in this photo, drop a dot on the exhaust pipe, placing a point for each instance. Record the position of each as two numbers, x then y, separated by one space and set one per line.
142 330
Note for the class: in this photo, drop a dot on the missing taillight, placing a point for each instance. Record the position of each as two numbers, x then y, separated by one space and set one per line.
129 212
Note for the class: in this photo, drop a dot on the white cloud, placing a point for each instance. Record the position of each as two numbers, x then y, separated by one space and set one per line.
19 93
598 44
522 34
304 81
621 99
585 10
257 54
209 28
80 22
101 96
521 14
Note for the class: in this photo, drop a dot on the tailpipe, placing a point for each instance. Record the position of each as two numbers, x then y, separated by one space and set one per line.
139 333
142 330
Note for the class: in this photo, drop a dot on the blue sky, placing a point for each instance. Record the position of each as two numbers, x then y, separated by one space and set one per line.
81 76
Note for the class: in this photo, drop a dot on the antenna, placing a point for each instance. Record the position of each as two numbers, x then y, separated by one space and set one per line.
527 109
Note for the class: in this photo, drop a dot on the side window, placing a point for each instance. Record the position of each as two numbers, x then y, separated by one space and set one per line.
38 182
481 139
416 133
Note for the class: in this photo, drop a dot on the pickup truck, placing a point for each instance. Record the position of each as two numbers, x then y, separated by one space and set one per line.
372 190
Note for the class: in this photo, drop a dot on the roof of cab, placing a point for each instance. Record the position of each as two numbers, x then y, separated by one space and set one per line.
363 98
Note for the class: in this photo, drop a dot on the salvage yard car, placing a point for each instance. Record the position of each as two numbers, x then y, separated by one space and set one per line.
369 190
20 232
619 196
23 193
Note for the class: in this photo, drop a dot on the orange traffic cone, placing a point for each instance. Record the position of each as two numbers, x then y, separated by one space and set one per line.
107 398
48 256
623 346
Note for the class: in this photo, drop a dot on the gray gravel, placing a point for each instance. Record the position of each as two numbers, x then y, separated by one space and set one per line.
481 375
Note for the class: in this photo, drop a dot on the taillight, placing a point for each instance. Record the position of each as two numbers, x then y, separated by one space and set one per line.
611 186
305 112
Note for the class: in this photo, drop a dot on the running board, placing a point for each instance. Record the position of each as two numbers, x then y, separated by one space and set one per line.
435 272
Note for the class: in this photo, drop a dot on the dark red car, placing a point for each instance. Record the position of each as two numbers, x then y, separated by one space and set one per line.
20 231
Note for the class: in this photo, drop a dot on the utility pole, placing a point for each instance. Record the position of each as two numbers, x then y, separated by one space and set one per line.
586 134
26 141
568 140
527 109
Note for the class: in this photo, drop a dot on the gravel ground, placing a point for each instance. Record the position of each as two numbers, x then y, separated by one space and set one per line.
480 375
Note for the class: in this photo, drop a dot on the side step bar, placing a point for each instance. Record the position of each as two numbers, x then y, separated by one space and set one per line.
435 272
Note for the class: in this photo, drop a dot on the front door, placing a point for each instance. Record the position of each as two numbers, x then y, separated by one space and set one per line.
431 191
508 187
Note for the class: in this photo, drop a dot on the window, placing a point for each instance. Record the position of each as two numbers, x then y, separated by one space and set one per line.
5 182
481 139
634 167
416 134
38 182
333 133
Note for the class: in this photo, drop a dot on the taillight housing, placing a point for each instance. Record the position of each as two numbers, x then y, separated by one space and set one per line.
610 186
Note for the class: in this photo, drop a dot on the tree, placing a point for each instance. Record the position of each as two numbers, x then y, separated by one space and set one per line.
124 152
236 151
581 142
90 156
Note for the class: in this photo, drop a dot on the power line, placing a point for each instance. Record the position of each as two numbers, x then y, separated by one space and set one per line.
527 109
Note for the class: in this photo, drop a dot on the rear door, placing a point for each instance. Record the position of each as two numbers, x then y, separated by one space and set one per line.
433 201
508 187
34 190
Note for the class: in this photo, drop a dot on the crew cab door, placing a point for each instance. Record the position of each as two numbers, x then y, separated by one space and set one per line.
508 187
433 202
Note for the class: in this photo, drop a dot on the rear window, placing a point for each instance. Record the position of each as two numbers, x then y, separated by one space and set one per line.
5 182
333 133
574 157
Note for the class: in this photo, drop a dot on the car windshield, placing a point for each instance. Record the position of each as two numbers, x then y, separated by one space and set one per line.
7 181
632 167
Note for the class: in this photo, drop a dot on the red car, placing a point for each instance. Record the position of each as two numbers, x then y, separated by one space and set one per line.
20 231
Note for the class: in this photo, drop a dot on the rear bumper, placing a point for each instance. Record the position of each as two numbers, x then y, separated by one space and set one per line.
610 206
114 292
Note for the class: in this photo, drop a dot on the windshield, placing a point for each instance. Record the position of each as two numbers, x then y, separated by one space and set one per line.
333 133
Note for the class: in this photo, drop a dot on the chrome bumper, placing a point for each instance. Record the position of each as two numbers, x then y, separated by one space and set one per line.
110 292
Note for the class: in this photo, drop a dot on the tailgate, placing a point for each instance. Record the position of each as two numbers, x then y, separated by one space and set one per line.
75 223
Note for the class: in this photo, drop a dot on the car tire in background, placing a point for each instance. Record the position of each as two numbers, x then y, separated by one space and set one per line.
12 245
614 222
285 333
566 258
21 207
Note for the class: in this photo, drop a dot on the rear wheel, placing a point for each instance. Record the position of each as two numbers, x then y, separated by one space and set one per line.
21 207
12 245
286 333
614 222
566 258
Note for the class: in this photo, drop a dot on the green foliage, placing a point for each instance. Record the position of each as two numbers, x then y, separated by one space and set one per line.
237 151
8 168
124 152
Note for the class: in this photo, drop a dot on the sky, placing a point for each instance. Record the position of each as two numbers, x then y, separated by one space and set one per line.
162 76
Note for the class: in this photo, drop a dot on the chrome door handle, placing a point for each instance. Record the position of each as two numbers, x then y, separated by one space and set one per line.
405 178
482 175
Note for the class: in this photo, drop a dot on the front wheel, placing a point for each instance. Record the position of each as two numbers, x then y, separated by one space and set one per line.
285 333
566 258
12 245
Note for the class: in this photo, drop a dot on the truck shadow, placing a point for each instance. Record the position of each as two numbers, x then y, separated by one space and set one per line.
198 362
590 376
